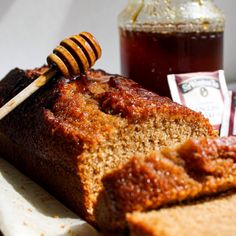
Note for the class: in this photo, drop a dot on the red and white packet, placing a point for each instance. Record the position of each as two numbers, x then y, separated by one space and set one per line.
204 92
228 127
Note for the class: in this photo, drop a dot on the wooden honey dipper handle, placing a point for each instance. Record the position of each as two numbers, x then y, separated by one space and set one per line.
73 56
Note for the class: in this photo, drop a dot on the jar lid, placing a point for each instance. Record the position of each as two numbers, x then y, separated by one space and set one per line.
172 16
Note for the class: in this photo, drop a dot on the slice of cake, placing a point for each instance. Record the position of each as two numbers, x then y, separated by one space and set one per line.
70 134
198 167
211 217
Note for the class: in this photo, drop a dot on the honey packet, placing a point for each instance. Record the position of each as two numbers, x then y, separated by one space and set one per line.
228 127
203 92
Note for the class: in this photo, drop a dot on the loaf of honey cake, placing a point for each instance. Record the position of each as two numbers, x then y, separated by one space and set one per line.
196 168
71 133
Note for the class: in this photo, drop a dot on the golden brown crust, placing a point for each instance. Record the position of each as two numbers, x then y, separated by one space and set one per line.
195 168
81 103
204 155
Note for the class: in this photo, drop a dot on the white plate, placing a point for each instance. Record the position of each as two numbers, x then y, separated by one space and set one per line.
27 209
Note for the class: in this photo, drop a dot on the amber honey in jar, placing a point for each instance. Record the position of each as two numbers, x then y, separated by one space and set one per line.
161 37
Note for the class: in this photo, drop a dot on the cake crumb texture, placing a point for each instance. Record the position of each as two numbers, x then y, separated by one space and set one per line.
213 217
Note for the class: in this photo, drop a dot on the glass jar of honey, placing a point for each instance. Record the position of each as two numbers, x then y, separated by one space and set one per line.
161 37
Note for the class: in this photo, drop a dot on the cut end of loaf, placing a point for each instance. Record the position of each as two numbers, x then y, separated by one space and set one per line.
128 121
167 177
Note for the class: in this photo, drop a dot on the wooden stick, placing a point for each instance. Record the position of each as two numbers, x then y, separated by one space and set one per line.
73 55
28 91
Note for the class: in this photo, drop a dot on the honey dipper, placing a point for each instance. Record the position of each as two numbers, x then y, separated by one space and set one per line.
73 56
